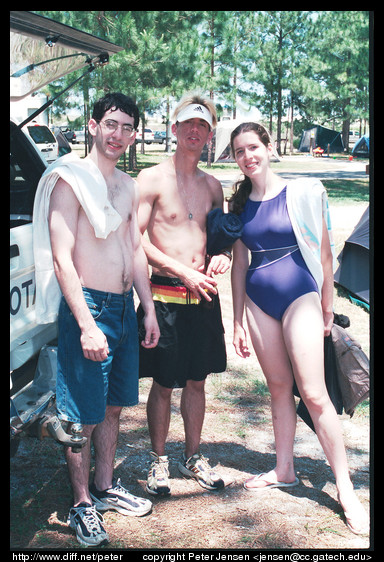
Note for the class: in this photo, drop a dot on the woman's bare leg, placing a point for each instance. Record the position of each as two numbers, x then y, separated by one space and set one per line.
303 330
267 339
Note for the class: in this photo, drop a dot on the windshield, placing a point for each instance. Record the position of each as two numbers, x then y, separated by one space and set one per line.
40 134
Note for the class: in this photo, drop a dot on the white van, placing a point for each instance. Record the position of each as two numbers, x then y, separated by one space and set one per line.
44 139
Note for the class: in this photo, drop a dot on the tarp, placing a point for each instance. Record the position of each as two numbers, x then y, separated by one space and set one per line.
353 271
321 137
222 139
361 146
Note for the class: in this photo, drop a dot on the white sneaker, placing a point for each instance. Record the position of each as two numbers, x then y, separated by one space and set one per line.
119 499
157 479
199 468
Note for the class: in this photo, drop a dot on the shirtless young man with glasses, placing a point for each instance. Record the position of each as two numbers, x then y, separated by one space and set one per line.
98 343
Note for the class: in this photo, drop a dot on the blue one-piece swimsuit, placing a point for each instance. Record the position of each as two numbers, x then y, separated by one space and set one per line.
277 274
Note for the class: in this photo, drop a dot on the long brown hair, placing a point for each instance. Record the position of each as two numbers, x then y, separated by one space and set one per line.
243 188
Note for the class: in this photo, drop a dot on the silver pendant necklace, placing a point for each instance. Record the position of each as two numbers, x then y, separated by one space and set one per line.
189 207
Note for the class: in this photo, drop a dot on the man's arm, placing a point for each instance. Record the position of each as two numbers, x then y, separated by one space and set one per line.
63 220
141 281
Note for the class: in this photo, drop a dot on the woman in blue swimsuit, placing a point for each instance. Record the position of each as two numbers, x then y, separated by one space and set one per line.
288 299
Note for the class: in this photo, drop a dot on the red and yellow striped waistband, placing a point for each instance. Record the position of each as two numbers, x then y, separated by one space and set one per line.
176 295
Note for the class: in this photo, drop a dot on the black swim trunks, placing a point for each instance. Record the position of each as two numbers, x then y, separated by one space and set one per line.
191 344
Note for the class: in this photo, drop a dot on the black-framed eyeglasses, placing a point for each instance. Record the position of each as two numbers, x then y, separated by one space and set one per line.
112 126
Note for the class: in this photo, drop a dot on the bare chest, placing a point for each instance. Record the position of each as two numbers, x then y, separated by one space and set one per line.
120 197
180 204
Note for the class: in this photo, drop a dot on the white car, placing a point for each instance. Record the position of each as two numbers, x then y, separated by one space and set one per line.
44 139
149 136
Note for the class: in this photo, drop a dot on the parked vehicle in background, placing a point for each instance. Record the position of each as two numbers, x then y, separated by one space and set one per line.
64 146
149 136
160 137
45 141
69 134
353 137
80 136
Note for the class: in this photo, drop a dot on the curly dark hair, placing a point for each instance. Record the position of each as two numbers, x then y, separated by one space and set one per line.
243 188
114 101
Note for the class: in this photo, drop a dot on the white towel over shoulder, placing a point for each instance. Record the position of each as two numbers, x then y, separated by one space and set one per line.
307 204
90 188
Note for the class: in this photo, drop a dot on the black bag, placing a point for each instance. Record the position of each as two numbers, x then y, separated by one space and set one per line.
223 229
352 366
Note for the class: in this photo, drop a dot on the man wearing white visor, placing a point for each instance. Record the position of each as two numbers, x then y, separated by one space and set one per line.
195 111
175 199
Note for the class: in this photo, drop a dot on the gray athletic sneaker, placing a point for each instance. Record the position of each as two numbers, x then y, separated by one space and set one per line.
119 499
87 523
199 468
157 479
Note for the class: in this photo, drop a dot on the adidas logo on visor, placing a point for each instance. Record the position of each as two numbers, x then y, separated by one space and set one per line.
191 112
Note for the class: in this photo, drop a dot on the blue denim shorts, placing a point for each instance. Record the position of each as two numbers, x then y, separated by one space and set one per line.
84 388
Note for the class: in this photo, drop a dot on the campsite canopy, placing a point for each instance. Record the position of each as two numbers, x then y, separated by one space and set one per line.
222 139
361 147
321 137
353 271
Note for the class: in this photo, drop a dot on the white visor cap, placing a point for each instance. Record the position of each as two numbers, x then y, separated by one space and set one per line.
195 111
